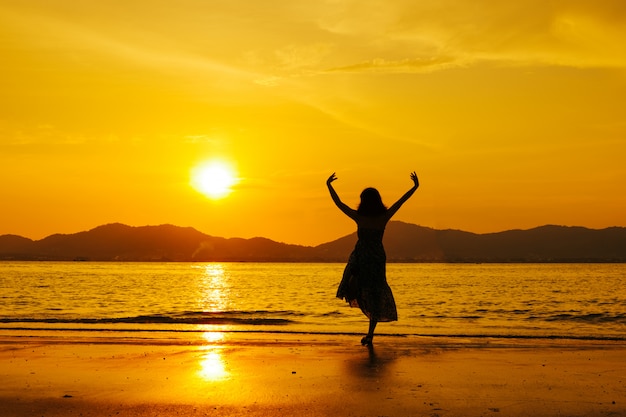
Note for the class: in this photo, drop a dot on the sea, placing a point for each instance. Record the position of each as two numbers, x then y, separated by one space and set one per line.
557 301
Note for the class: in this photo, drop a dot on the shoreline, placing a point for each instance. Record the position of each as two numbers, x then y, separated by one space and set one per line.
263 374
80 332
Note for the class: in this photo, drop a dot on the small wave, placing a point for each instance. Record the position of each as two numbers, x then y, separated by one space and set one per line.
591 318
331 314
254 318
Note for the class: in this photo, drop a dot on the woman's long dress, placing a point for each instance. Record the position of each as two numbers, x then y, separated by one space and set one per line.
364 282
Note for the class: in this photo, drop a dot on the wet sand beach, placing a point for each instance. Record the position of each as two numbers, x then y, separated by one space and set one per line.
267 374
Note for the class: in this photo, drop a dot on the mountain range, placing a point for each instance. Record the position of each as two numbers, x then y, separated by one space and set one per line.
404 242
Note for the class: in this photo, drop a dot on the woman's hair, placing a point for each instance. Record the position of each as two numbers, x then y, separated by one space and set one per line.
371 203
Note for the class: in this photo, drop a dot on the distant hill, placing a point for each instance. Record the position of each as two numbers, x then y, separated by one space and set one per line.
118 242
404 242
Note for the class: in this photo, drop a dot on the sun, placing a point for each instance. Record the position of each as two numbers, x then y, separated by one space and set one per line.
214 179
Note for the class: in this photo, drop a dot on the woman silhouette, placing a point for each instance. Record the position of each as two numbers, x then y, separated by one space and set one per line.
364 282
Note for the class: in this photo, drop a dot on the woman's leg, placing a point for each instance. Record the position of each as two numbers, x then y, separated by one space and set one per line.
368 340
373 323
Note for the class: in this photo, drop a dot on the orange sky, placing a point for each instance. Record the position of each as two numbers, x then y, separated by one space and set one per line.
512 113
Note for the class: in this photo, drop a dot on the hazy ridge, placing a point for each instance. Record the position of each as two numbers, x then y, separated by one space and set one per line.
404 242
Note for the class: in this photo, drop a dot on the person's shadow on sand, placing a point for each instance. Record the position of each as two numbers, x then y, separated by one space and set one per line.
373 365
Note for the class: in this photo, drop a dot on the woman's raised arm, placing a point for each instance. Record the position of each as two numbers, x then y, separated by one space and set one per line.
333 194
396 206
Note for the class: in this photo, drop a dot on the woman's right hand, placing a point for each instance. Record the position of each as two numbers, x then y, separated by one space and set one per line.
330 179
415 180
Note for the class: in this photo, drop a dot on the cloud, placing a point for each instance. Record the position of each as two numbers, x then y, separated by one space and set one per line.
417 36
269 81
302 56
405 36
94 42
14 134
196 46
403 65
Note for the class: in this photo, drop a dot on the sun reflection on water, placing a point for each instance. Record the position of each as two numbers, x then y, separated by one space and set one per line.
212 366
213 337
214 288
